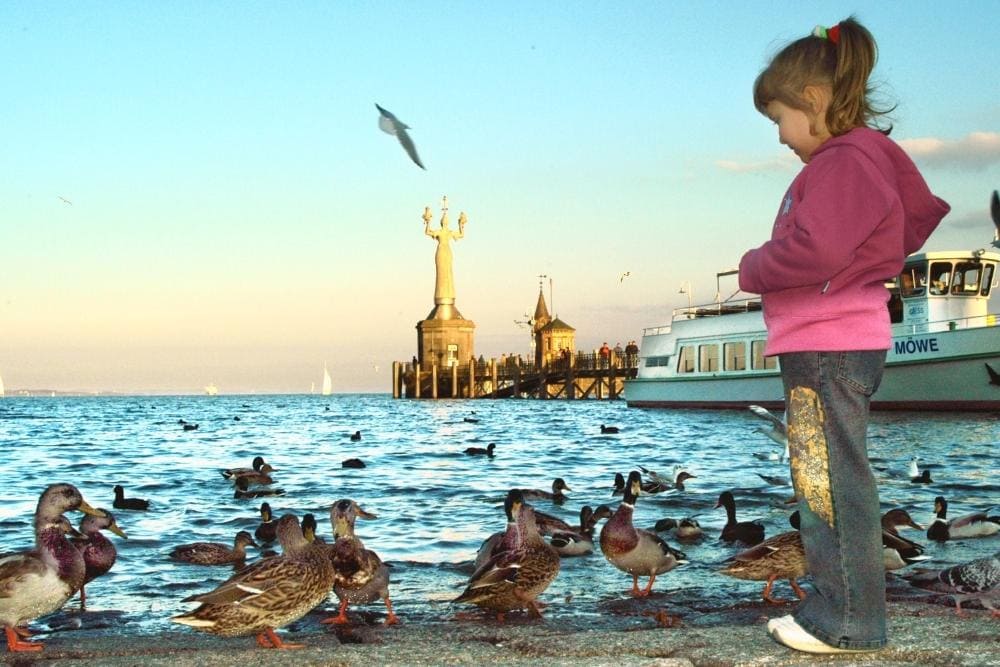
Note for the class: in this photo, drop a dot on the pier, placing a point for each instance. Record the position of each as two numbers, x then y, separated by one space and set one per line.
578 376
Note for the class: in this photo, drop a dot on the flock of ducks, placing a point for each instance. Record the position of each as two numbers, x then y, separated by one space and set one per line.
512 567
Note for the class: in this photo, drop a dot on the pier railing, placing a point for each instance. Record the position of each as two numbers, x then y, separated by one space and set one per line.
578 375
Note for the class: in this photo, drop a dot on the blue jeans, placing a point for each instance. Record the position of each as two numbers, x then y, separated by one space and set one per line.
827 395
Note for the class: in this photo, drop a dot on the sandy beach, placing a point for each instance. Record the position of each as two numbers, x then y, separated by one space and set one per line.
629 634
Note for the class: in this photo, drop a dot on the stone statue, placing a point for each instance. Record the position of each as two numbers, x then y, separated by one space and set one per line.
444 283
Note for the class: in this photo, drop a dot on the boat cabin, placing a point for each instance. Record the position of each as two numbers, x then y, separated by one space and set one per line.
941 291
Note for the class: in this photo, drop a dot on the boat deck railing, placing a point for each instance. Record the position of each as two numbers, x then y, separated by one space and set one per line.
949 324
714 309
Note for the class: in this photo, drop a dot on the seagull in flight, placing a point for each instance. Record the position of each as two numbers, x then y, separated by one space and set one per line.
65 200
389 124
623 276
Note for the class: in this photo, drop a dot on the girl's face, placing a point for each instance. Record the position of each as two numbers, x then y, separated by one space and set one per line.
797 129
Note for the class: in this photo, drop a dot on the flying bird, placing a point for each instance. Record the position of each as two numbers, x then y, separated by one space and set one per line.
389 124
623 276
65 200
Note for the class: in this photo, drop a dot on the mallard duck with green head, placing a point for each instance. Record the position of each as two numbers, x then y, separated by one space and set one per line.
634 550
37 582
361 576
99 553
521 570
268 594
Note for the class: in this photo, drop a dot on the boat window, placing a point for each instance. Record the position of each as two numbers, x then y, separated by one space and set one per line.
967 276
940 277
708 358
657 361
735 356
758 360
685 360
987 279
913 280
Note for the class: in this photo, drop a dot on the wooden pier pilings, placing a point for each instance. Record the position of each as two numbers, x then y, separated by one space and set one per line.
579 376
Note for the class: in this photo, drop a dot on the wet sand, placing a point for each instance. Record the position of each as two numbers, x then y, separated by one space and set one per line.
925 632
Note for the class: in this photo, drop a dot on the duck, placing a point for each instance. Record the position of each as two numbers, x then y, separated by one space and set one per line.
214 553
309 528
923 478
256 466
747 532
650 487
580 541
634 550
352 463
243 490
897 551
123 503
481 451
976 524
660 483
190 427
507 539
779 557
688 529
267 531
775 480
556 495
40 581
268 594
356 436
360 575
521 570
99 553
609 429
977 579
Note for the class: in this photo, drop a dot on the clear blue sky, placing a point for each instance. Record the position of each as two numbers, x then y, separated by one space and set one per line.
238 218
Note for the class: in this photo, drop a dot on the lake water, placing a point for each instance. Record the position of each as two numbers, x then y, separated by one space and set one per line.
435 504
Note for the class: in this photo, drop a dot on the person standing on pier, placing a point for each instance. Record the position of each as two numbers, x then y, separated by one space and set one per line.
844 226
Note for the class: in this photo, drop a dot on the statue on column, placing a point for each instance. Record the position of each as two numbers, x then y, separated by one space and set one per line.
444 283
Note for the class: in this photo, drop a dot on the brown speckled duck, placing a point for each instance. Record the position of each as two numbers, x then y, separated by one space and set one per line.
99 552
634 550
778 557
268 594
37 582
556 495
506 539
214 553
521 570
361 576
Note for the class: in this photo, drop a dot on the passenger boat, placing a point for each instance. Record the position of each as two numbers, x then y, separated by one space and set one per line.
945 352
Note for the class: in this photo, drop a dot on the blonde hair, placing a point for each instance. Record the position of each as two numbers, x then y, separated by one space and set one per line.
843 65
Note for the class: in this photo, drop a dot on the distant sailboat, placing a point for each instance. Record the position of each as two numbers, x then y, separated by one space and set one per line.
2 391
211 389
327 382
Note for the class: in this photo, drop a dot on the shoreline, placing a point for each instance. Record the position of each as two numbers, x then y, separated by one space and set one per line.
626 633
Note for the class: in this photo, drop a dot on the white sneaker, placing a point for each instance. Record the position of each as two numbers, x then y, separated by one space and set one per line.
785 630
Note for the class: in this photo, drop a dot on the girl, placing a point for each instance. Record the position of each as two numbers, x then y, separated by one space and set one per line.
844 227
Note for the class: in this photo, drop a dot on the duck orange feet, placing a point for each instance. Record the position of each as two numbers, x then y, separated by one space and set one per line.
15 643
270 639
341 618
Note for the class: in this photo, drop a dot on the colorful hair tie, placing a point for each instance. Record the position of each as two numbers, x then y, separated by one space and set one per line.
832 34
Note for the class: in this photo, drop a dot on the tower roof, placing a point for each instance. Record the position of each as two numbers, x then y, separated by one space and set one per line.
542 316
557 325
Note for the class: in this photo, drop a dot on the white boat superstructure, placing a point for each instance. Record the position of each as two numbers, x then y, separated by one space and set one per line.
945 352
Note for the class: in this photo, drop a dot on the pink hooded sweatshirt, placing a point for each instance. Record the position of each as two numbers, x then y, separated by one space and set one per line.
845 226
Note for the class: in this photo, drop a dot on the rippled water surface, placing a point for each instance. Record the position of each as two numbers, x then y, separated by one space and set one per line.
435 504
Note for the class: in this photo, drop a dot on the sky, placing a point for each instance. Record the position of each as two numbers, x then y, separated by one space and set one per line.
198 192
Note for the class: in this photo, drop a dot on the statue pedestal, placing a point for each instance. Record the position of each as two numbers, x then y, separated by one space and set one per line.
445 338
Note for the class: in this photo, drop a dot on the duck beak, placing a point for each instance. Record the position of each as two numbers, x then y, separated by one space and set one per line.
362 514
117 531
86 508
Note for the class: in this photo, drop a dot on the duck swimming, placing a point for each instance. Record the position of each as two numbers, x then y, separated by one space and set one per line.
748 532
520 571
480 451
256 466
609 429
976 524
557 496
214 553
268 594
360 575
99 553
580 542
244 492
267 531
37 582
123 503
634 550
